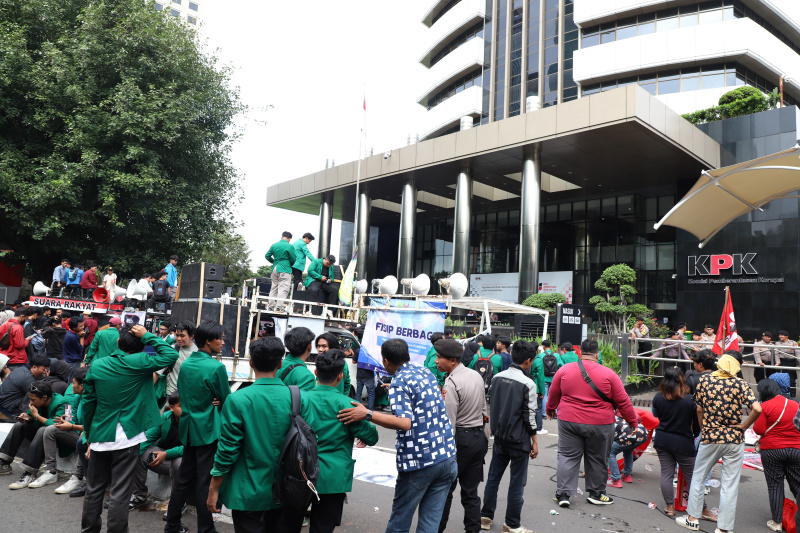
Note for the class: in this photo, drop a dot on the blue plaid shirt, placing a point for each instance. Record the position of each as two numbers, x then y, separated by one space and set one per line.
415 394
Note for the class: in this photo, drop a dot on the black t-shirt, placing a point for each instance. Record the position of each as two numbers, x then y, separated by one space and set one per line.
55 342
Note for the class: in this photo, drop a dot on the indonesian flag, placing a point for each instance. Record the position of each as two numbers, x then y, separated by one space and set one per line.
727 338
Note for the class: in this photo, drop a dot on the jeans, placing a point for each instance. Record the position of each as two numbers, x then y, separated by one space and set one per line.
546 391
502 455
627 455
427 489
732 456
539 412
370 385
167 468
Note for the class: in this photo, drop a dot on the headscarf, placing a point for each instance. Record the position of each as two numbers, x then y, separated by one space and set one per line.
782 379
5 316
727 367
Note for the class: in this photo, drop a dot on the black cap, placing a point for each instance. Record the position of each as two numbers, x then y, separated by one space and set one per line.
783 332
449 348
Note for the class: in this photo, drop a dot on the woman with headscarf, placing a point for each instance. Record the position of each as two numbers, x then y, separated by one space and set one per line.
783 381
780 447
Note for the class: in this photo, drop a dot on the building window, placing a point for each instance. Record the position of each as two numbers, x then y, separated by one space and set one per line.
177 1
191 20
450 5
570 39
465 82
193 6
551 43
159 7
532 76
464 37
515 79
174 12
501 22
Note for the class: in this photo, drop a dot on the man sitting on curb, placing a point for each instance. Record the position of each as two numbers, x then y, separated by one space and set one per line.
76 485
15 388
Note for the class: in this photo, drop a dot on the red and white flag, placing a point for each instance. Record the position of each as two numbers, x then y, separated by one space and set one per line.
727 338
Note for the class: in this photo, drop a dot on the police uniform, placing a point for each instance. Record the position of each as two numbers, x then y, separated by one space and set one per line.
788 358
766 356
465 402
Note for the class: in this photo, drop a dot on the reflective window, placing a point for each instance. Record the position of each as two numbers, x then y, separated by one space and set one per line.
174 12
193 6
444 10
191 20
176 1
464 37
473 78
501 24
515 79
159 6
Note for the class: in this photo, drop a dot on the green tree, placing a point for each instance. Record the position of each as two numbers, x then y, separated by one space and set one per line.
545 300
115 134
614 306
264 271
228 248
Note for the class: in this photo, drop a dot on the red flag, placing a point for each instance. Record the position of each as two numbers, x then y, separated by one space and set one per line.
365 102
727 338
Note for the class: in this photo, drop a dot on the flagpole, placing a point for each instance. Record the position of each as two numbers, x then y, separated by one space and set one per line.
362 138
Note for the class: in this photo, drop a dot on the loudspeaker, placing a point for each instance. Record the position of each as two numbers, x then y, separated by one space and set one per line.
187 311
211 272
264 286
191 289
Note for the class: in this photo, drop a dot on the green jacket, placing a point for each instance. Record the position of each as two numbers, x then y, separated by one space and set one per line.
255 421
56 408
300 376
569 357
157 436
497 361
75 401
105 342
334 439
315 272
300 253
282 256
119 389
344 385
430 362
202 378
537 372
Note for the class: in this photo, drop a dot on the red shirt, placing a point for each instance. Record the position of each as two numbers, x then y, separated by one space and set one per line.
784 434
89 280
16 351
577 402
90 326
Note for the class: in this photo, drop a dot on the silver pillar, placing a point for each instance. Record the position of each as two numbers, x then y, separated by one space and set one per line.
461 221
362 233
325 222
408 218
530 212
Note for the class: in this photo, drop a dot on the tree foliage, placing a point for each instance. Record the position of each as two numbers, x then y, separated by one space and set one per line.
545 300
740 101
115 132
228 248
614 306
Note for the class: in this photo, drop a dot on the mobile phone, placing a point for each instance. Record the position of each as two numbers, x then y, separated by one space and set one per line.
152 457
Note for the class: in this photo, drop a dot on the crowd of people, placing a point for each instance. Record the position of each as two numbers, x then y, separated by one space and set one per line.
129 401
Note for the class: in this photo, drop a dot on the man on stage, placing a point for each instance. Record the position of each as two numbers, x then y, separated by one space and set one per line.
319 281
282 256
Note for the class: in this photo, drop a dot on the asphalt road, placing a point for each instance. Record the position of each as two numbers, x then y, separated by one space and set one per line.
369 504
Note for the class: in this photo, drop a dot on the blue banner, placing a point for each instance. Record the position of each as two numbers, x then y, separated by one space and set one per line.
414 327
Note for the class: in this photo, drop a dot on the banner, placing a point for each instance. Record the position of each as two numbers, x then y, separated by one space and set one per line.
346 288
727 338
414 327
560 282
74 305
504 287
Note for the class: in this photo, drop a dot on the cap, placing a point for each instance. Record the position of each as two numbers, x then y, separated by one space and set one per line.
115 321
26 302
3 360
449 348
87 312
767 334
783 332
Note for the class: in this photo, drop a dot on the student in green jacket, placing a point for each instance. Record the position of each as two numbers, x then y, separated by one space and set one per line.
568 354
300 253
282 256
542 381
44 408
249 446
486 351
547 352
105 342
430 359
203 385
294 370
119 405
320 409
161 452
73 395
319 281
328 341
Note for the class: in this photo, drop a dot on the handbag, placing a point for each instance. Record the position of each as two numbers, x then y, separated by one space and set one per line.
758 442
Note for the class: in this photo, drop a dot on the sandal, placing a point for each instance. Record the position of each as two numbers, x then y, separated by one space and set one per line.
710 518
669 513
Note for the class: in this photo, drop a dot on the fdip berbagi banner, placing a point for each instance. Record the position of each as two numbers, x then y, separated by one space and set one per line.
415 324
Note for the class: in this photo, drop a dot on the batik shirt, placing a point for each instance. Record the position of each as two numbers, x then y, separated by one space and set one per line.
722 400
414 394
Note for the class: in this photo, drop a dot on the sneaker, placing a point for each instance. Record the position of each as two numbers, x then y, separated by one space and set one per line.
718 530
106 502
48 478
183 529
774 526
599 498
519 529
70 485
136 502
627 479
80 492
5 469
183 512
684 521
305 522
23 481
707 491
562 500
486 522
540 432
616 484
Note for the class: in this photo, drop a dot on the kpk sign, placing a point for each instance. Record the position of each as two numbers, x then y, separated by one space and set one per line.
711 268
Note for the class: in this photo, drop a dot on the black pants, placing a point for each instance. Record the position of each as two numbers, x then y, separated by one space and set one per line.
34 455
324 293
297 278
116 467
194 474
779 465
326 514
471 448
792 375
258 521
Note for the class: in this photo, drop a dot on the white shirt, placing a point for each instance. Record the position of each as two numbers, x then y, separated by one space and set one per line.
109 281
121 441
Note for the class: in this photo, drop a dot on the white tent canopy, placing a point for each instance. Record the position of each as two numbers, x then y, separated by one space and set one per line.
723 195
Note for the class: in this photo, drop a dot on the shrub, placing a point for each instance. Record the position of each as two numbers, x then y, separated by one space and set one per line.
735 103
545 300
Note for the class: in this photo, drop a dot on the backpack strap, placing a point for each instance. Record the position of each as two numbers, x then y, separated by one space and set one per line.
295 391
597 391
288 369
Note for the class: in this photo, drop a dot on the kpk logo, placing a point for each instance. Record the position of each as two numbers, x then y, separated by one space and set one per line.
714 265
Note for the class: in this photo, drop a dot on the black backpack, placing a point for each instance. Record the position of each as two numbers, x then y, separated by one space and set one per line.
485 368
298 465
550 364
161 288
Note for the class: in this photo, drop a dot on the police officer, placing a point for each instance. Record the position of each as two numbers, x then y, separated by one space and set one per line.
788 357
465 402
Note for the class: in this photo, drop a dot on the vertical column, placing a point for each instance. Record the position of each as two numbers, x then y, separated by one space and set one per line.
462 221
408 218
531 202
362 232
325 221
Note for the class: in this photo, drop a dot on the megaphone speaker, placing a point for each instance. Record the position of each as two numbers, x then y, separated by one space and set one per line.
100 295
456 285
387 285
136 291
40 289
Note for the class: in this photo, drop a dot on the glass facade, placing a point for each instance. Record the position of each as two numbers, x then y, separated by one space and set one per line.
532 64
487 62
462 38
570 40
550 51
515 64
501 25
464 82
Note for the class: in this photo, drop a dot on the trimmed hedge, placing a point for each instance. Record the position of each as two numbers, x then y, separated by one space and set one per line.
735 103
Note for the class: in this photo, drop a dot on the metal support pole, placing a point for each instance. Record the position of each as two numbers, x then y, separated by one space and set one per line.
530 211
408 217
624 371
462 221
325 223
362 232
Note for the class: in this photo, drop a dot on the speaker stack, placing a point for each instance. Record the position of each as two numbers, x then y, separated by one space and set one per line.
202 280
226 315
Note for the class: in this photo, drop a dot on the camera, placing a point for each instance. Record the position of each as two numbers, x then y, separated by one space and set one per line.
387 154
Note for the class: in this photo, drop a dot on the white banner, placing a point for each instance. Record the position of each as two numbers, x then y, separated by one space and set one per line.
560 282
414 327
503 286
